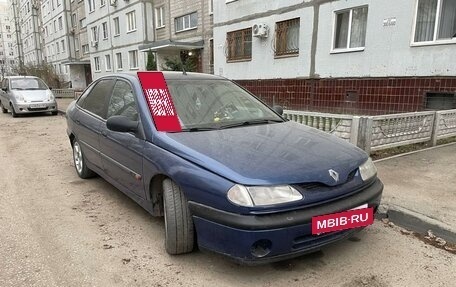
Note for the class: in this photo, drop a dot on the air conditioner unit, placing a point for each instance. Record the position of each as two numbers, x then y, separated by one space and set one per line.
94 43
113 3
260 30
72 31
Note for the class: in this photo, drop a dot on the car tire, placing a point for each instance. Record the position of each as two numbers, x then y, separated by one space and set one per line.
79 162
179 232
13 112
3 108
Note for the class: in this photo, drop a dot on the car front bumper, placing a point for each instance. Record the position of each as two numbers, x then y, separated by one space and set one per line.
247 238
35 107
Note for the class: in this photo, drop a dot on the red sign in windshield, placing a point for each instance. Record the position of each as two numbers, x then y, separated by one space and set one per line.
159 100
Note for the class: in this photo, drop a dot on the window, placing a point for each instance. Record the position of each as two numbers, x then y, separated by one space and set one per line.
76 43
73 20
91 5
160 17
94 33
350 29
57 47
60 23
119 61
63 46
287 37
435 20
95 101
239 45
104 27
133 59
55 25
211 7
122 102
131 21
108 62
102 3
186 22
116 26
59 3
96 63
440 101
211 55
85 48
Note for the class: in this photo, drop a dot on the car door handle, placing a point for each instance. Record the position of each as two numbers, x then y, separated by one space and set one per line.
77 122
104 133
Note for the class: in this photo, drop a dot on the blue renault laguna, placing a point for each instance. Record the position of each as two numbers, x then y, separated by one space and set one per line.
236 178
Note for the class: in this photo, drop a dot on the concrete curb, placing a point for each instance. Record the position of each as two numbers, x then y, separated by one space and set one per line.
417 222
412 152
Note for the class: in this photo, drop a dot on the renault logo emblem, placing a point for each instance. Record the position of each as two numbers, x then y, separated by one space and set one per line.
334 174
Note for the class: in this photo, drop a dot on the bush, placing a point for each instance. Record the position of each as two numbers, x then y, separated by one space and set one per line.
44 71
151 63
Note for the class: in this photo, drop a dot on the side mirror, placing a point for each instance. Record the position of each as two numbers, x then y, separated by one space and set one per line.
121 124
278 109
4 89
50 88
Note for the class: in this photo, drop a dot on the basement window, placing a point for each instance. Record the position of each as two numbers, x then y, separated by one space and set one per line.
440 101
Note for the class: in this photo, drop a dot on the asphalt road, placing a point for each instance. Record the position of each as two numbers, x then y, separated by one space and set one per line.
59 230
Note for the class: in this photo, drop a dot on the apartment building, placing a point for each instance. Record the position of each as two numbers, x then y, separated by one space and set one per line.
27 21
358 56
7 55
116 28
55 29
182 28
78 62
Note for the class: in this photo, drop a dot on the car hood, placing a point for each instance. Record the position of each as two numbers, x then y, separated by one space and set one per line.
32 95
281 153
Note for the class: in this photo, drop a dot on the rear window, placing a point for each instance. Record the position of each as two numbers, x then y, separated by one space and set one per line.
28 84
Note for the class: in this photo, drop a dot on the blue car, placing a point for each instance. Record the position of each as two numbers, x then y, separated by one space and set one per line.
237 179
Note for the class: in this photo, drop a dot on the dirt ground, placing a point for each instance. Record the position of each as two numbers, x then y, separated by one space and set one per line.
59 230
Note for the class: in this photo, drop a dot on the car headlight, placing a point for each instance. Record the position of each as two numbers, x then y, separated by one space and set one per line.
262 195
367 170
50 96
19 98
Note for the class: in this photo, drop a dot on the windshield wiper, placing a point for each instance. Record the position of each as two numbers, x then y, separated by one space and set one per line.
251 123
199 129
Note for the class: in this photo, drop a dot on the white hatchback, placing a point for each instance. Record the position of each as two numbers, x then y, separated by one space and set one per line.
26 94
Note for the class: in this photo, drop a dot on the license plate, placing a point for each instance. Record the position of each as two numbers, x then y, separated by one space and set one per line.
38 106
357 217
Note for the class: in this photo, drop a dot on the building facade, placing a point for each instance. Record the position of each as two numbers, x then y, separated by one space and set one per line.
115 30
78 61
7 54
183 31
356 56
27 15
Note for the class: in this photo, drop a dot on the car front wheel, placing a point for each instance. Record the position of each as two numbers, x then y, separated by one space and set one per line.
79 162
179 233
13 112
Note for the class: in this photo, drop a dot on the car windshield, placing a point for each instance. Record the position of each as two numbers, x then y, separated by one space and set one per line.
28 84
217 104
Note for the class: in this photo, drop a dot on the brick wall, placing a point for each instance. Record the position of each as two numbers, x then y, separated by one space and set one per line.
368 96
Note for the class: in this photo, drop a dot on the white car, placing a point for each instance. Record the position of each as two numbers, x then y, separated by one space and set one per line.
26 94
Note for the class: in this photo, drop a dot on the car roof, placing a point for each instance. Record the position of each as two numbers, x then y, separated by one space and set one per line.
20 77
171 75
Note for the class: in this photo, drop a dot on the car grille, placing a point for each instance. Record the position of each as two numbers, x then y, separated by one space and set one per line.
307 241
316 185
36 109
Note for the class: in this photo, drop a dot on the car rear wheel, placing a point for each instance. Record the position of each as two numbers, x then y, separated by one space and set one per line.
79 162
179 233
3 108
13 112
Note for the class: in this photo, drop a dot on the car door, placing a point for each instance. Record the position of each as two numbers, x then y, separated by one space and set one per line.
122 152
88 118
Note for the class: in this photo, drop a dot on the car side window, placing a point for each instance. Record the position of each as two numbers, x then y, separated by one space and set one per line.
5 83
122 102
95 101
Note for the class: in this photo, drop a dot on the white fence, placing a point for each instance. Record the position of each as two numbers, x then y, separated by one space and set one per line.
64 93
381 132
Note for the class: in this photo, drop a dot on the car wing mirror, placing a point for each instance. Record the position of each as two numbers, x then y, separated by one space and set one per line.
4 89
278 109
121 124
